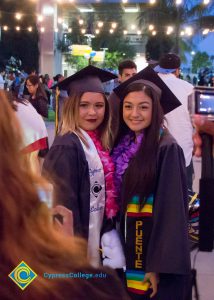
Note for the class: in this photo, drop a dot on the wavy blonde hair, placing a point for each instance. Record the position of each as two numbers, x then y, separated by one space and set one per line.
70 115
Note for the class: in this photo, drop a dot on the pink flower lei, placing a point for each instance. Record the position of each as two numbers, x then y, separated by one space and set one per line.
111 207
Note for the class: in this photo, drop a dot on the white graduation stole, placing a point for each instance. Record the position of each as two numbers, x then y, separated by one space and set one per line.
97 198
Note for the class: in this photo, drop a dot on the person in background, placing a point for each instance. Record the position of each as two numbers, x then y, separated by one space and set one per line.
126 69
62 95
80 165
30 71
151 177
38 96
2 74
178 121
27 233
202 125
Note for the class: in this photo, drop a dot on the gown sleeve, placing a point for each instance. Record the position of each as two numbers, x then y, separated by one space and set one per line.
61 165
168 250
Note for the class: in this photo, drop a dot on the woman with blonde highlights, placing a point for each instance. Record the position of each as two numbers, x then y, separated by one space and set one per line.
27 233
83 169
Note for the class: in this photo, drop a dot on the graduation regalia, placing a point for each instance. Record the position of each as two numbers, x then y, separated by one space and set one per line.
156 235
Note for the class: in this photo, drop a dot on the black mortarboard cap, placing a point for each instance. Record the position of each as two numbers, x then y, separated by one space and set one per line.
149 77
88 79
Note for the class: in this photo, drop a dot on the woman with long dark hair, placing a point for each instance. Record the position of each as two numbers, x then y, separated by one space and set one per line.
150 173
38 97
27 234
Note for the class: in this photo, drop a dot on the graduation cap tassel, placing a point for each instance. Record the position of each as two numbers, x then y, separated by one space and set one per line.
57 111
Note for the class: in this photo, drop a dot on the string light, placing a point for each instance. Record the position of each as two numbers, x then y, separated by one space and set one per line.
30 29
40 18
81 22
139 32
154 32
69 30
97 31
42 29
125 32
111 31
5 28
152 1
18 16
151 27
100 24
83 31
17 28
113 25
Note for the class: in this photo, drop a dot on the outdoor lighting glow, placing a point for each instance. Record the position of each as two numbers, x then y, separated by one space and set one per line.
97 31
114 25
154 32
60 20
18 16
83 31
178 2
124 1
42 29
111 31
64 26
17 28
125 32
188 31
206 2
29 29
169 30
192 52
152 1
205 31
138 32
133 27
40 18
71 0
81 21
151 27
5 28
47 10
85 9
130 9
100 24
182 33
56 30
69 30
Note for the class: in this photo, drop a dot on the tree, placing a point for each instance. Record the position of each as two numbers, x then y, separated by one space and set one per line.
156 46
165 13
21 44
200 60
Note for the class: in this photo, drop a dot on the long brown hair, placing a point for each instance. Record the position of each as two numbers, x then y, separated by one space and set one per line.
139 178
70 114
26 230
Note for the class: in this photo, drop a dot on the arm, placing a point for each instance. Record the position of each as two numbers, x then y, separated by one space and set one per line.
61 164
168 250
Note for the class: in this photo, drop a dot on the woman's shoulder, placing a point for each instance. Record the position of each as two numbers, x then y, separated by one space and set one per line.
167 140
68 140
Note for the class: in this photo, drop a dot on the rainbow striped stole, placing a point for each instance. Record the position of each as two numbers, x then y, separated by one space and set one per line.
134 276
133 208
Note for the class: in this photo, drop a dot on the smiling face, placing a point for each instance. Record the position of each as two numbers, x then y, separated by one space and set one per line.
137 111
91 111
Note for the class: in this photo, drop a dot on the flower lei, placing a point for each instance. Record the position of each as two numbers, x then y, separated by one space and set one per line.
122 154
111 207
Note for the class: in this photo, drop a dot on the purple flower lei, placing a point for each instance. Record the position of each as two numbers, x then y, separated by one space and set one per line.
122 154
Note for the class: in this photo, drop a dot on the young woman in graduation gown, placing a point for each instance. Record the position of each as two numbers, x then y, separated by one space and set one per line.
150 172
80 164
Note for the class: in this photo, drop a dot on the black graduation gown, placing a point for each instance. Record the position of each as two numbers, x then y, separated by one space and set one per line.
168 247
67 166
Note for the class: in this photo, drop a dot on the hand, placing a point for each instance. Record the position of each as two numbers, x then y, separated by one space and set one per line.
67 227
153 279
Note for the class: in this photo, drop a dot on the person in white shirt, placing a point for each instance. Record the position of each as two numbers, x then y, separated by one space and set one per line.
2 81
178 121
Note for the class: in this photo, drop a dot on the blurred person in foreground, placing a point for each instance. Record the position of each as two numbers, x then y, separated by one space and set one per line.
27 233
